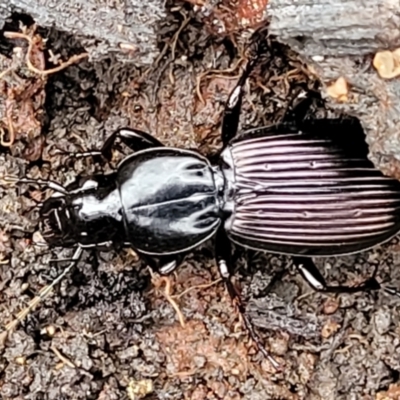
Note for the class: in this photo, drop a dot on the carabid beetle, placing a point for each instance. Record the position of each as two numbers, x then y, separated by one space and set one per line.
278 189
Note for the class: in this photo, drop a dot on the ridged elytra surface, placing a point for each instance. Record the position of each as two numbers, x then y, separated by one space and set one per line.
304 193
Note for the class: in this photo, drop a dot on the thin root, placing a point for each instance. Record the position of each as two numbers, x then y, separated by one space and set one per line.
31 67
5 72
184 374
157 282
44 293
203 286
217 74
176 36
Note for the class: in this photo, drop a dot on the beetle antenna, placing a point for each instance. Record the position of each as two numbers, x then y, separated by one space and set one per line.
41 182
44 293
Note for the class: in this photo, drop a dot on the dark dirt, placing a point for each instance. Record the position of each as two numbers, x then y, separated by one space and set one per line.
108 331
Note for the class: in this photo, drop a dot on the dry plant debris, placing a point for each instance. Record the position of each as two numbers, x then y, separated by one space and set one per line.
229 16
387 63
339 90
139 389
22 91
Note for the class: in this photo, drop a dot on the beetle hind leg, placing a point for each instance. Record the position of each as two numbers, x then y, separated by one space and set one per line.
316 281
231 115
223 252
163 264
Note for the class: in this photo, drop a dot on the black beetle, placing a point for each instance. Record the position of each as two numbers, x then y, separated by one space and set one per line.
302 193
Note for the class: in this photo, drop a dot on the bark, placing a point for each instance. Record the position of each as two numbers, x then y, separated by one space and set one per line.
340 39
127 28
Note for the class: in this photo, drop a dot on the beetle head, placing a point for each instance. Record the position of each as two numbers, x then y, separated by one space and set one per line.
56 223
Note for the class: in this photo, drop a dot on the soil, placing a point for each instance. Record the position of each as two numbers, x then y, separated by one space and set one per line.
110 330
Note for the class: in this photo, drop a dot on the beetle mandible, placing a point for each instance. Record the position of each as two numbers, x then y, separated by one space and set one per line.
277 189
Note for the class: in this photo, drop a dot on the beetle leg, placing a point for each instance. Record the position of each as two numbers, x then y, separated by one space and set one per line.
391 290
310 273
230 119
223 254
168 267
163 264
135 139
297 111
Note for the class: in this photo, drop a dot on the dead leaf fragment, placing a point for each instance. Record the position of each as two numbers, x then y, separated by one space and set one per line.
339 90
387 63
251 12
139 389
330 328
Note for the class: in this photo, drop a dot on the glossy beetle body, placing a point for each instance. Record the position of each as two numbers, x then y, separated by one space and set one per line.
275 189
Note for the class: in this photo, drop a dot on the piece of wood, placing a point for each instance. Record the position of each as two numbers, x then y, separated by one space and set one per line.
128 29
336 28
339 39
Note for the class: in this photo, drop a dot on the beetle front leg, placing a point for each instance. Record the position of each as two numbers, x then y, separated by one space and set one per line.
313 277
135 139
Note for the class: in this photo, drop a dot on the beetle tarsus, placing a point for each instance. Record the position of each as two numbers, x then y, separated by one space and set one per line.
223 255
313 277
236 299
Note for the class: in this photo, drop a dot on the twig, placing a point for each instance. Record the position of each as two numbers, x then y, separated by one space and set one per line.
44 293
5 72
